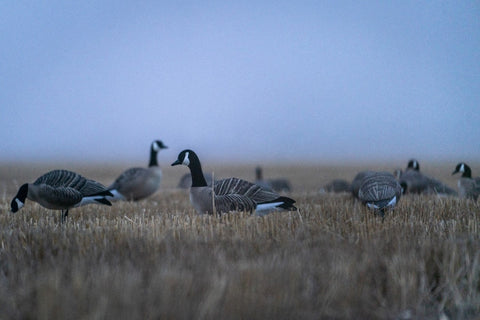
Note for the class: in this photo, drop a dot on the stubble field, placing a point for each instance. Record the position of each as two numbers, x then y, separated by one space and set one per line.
157 259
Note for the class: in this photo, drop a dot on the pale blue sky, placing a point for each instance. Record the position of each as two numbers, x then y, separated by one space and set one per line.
272 80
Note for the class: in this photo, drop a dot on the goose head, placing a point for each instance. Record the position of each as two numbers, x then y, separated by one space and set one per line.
19 200
413 164
186 157
157 145
464 169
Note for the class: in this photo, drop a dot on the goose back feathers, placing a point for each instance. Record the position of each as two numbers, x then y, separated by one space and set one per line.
379 191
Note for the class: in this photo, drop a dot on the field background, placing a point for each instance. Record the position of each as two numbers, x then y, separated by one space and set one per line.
157 259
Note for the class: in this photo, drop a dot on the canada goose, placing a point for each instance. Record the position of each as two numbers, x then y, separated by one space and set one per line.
413 181
337 186
61 190
186 180
468 187
379 191
278 184
138 183
357 181
230 194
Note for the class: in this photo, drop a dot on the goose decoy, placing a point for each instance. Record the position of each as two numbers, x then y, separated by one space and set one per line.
61 190
186 180
230 194
278 184
379 191
468 187
413 181
337 186
138 183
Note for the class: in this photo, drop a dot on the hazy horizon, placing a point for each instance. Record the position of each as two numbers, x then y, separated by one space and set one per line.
251 81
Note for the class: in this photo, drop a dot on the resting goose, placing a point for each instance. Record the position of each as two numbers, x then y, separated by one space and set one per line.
468 187
337 186
413 181
61 190
230 194
379 191
278 184
138 183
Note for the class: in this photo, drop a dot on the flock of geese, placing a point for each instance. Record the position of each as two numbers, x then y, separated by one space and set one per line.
63 189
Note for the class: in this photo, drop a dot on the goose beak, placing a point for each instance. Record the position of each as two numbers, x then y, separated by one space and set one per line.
176 163
454 172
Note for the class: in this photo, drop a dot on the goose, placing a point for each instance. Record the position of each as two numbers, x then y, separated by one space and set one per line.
379 191
413 181
231 194
468 187
278 184
61 190
337 186
138 183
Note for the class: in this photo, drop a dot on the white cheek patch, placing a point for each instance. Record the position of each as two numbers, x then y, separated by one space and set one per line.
19 203
156 147
186 161
462 168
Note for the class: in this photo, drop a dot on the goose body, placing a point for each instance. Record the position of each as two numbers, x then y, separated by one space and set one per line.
230 194
337 186
138 183
278 184
413 181
468 187
379 191
61 190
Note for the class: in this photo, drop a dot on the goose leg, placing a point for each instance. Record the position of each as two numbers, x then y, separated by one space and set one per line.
64 215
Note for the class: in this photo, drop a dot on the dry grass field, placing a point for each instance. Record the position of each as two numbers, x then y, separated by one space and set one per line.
157 259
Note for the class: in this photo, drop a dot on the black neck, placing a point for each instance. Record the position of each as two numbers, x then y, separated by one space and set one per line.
153 158
467 172
198 179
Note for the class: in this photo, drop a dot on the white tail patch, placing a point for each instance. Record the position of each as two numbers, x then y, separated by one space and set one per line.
392 202
117 196
266 208
372 206
186 160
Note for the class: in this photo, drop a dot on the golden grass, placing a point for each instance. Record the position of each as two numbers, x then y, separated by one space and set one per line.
157 259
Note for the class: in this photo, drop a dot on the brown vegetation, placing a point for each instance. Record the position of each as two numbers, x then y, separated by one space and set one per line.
157 259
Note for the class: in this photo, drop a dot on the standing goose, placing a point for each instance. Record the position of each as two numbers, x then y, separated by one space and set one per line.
468 187
61 190
138 183
379 191
278 184
230 194
413 181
